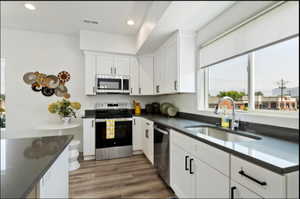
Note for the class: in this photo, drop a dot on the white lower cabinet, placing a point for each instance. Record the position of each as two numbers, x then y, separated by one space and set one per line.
148 139
260 180
210 182
238 191
137 134
190 176
55 182
89 140
183 181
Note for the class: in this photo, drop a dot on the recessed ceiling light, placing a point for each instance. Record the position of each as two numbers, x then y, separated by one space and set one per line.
29 6
130 22
90 21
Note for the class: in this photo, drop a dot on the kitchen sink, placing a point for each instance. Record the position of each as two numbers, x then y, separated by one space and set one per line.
222 134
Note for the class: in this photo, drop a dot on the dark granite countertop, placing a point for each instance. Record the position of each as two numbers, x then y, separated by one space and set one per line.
25 161
274 154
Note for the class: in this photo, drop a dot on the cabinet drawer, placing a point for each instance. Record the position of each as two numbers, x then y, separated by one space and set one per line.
214 157
261 181
185 142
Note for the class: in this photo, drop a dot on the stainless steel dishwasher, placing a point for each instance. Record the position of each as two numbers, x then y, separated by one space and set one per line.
161 152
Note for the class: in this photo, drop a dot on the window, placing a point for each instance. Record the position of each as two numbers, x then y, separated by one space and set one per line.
277 76
2 95
263 80
228 79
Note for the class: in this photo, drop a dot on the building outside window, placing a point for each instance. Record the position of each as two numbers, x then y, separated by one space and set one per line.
274 79
2 95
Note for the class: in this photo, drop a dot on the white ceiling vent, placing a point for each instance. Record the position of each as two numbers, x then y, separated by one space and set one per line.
87 21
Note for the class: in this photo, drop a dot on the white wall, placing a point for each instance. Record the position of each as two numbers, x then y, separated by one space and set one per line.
26 51
107 42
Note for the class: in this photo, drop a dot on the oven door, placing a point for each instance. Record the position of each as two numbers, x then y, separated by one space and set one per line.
123 133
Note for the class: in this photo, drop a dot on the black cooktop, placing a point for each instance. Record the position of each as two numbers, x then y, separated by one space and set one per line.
112 113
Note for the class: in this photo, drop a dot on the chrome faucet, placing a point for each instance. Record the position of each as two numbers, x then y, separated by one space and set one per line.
234 122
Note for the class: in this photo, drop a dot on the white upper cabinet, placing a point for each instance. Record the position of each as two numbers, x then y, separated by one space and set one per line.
146 75
171 66
159 71
134 76
122 65
177 57
90 74
105 64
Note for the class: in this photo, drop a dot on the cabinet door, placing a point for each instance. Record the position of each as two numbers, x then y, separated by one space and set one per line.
55 182
134 76
171 80
150 140
137 134
144 137
241 192
181 180
146 75
90 74
88 137
210 182
159 71
105 64
122 64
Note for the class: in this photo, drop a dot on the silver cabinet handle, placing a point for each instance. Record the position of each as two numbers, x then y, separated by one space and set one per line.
93 123
130 90
140 90
175 85
111 70
134 121
157 89
147 133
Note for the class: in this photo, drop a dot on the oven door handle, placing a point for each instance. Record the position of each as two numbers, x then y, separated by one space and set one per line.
116 119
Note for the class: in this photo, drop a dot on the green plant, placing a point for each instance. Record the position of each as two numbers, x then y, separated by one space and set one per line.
64 108
233 94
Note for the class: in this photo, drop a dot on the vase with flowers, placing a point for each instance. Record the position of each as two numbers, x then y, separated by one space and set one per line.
65 109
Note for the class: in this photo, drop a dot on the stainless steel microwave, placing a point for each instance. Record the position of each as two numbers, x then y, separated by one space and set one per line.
112 84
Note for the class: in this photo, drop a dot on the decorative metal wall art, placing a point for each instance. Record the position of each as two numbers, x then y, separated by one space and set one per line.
48 85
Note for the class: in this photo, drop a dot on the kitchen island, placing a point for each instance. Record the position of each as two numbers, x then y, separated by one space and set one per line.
37 166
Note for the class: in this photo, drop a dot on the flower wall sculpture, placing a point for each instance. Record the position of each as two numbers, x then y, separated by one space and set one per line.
49 85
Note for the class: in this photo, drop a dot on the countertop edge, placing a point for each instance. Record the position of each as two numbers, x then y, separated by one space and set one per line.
268 166
24 195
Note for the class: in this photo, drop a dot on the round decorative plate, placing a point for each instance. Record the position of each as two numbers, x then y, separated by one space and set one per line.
58 93
67 96
62 88
172 111
36 87
53 81
42 79
47 91
29 78
64 76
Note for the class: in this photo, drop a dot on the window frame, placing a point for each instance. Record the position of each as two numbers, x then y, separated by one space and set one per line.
203 88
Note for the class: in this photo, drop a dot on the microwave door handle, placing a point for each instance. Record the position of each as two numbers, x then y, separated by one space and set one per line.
122 84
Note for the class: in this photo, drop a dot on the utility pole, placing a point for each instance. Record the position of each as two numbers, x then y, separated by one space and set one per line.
281 85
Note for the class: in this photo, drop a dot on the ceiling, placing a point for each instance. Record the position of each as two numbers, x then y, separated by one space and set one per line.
67 17
188 16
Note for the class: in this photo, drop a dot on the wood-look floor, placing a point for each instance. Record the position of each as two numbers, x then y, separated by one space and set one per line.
132 177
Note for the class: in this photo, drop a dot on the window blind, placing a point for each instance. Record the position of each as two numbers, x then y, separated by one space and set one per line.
278 24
